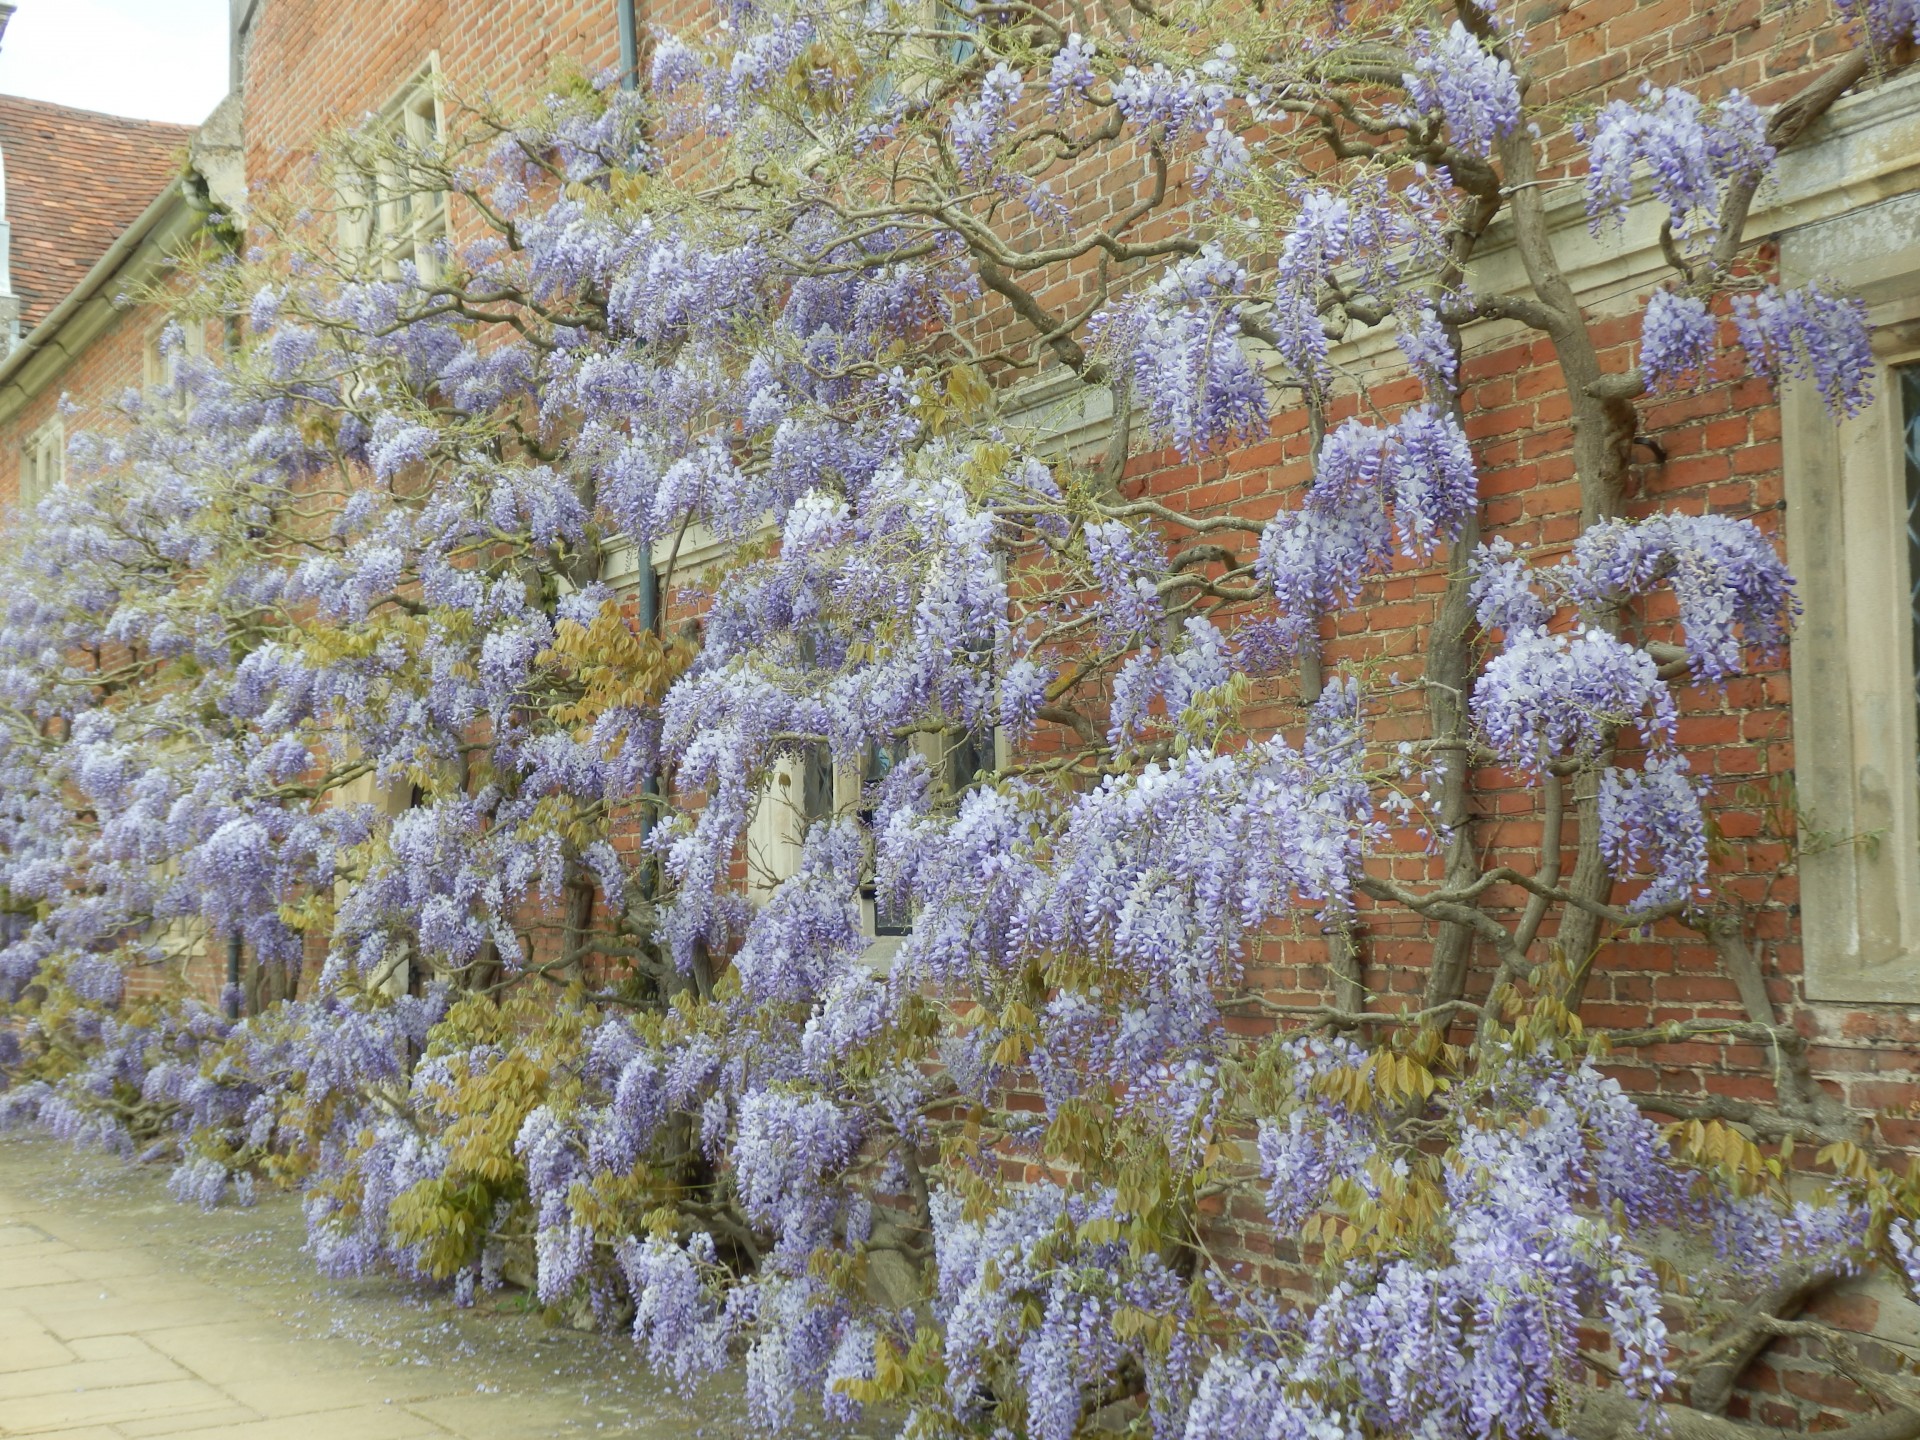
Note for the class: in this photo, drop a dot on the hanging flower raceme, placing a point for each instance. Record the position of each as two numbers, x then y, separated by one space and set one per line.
1167 104
1888 23
978 125
1370 239
1552 694
1026 1294
1691 151
1810 333
1455 77
1169 870
1322 554
1178 346
1676 338
1734 592
1651 822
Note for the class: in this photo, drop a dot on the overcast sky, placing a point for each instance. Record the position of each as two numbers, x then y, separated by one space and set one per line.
155 59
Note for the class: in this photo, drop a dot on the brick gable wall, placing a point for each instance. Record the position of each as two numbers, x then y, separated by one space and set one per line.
313 65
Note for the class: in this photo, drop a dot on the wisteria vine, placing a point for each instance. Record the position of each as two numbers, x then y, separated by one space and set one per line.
852 959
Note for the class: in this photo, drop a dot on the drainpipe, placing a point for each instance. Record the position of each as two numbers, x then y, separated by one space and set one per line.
647 581
629 45
9 302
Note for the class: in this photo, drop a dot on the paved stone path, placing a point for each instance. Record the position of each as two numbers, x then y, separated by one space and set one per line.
123 1314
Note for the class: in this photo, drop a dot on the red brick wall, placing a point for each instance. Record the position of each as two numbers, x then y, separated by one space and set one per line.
1722 455
316 64
92 379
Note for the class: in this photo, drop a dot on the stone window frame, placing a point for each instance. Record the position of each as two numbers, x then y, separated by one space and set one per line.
379 212
158 371
43 461
776 829
1855 733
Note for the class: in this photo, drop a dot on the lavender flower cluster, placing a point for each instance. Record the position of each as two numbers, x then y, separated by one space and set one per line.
1691 152
1815 333
1178 346
1456 77
1415 480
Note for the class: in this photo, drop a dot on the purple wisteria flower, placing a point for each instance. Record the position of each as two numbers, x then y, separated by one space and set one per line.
1888 23
1179 347
1547 695
977 126
1812 333
1733 589
1651 822
1906 1248
1457 78
1503 589
1416 477
1071 70
678 1319
1676 338
970 1159
1690 151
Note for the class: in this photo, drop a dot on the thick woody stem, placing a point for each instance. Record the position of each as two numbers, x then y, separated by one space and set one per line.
1450 667
1603 427
1786 125
1343 956
577 941
1749 1334
1805 1108
1615 1415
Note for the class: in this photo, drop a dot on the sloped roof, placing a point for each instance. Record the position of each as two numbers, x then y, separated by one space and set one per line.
75 181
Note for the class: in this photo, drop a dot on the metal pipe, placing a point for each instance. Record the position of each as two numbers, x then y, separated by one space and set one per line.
646 581
629 45
630 80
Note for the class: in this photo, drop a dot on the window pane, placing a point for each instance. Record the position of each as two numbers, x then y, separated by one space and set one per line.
816 784
970 756
888 918
957 17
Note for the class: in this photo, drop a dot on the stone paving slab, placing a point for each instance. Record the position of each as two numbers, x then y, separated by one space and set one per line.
77 1375
31 1351
125 1316
188 1424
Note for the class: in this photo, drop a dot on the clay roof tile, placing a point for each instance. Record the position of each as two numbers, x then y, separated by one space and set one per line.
75 181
